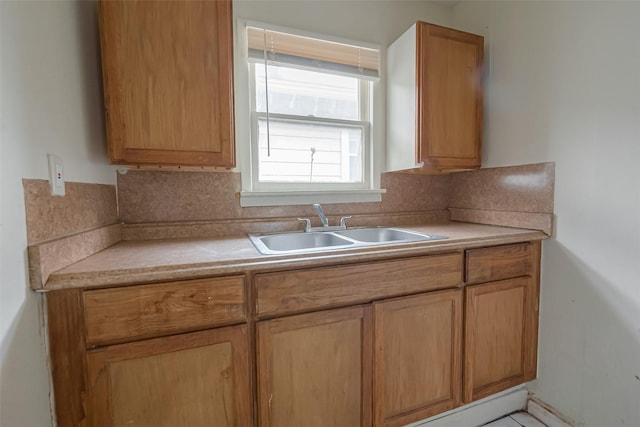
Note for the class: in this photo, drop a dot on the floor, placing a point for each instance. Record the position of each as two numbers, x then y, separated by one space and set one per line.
518 419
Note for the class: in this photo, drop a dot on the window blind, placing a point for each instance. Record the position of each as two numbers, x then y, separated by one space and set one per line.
310 53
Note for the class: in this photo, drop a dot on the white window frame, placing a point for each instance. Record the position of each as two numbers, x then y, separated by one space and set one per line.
255 193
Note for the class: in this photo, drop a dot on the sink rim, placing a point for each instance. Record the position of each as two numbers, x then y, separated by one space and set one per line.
413 236
352 242
339 240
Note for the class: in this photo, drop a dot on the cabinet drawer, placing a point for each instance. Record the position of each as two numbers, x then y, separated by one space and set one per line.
499 262
303 290
135 312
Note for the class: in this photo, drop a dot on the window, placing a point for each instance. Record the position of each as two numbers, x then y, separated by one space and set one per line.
310 116
312 131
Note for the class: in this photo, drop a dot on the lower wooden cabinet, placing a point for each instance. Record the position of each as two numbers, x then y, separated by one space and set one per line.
314 370
417 357
317 369
195 379
501 318
500 336
410 341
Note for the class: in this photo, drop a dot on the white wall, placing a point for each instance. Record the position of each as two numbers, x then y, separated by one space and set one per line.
372 21
564 86
50 103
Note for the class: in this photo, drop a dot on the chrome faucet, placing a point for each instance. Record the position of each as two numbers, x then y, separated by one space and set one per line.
323 219
325 222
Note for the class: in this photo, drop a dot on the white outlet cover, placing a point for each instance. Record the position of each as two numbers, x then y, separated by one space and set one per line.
56 175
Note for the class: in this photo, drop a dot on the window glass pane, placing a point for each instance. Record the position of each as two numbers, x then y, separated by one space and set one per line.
310 152
307 93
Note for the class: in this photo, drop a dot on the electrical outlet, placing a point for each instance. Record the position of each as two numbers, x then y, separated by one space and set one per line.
56 175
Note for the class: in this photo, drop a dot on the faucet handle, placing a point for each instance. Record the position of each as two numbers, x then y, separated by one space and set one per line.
343 222
307 224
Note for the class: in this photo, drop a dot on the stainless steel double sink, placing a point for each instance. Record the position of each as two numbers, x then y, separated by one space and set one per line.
315 241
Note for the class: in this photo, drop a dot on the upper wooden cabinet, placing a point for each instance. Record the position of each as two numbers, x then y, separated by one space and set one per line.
434 100
168 82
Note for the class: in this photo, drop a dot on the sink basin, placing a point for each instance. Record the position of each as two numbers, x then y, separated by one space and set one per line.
299 242
383 235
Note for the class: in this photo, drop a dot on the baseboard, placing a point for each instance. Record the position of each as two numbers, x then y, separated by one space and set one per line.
480 412
547 414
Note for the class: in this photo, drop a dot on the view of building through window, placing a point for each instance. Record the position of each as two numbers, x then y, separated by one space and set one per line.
314 126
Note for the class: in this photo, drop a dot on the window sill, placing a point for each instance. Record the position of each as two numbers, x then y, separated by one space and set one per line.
280 198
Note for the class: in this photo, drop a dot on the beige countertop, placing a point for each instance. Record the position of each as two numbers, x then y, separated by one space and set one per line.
133 262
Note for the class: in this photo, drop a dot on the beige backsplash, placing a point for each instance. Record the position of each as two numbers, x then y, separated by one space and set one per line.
84 207
64 230
155 205
525 188
150 196
513 196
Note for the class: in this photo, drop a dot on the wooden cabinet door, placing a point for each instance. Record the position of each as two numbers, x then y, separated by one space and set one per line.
500 336
168 81
314 369
449 122
417 357
196 379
